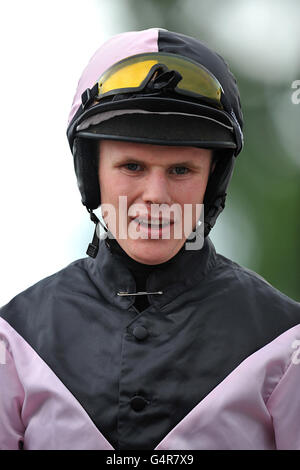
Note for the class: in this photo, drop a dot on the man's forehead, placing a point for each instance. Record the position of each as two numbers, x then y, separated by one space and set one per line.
147 152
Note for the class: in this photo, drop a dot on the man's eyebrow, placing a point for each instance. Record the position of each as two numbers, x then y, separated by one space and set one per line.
129 157
190 163
134 159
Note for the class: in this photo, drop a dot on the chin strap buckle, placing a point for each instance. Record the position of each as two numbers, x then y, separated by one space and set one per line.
93 247
214 212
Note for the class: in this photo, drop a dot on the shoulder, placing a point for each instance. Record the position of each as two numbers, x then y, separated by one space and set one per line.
246 289
245 278
37 298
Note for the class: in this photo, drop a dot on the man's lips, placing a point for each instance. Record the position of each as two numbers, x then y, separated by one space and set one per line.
147 221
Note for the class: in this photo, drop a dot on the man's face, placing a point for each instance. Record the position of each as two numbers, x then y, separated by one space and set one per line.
152 175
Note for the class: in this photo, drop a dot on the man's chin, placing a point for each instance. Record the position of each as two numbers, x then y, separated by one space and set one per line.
151 251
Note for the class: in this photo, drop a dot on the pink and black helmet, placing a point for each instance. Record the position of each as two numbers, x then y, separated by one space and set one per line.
157 87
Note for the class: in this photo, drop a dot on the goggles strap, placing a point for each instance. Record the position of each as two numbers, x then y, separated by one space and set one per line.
88 96
163 80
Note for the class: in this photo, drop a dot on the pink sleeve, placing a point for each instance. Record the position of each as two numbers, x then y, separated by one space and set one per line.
284 404
11 400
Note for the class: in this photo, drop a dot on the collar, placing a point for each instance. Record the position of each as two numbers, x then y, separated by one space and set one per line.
112 275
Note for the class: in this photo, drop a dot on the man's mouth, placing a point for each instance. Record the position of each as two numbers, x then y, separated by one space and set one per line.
147 222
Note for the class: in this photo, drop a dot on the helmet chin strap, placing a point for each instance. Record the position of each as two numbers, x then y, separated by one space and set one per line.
94 246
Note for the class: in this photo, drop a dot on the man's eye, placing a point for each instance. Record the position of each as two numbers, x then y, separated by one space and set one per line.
180 170
132 166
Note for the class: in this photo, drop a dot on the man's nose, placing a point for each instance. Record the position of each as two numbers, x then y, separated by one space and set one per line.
156 189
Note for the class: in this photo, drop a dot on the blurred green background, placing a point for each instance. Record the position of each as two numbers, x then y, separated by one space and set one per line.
260 40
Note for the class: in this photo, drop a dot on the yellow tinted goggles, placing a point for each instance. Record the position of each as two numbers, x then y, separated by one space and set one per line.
135 73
